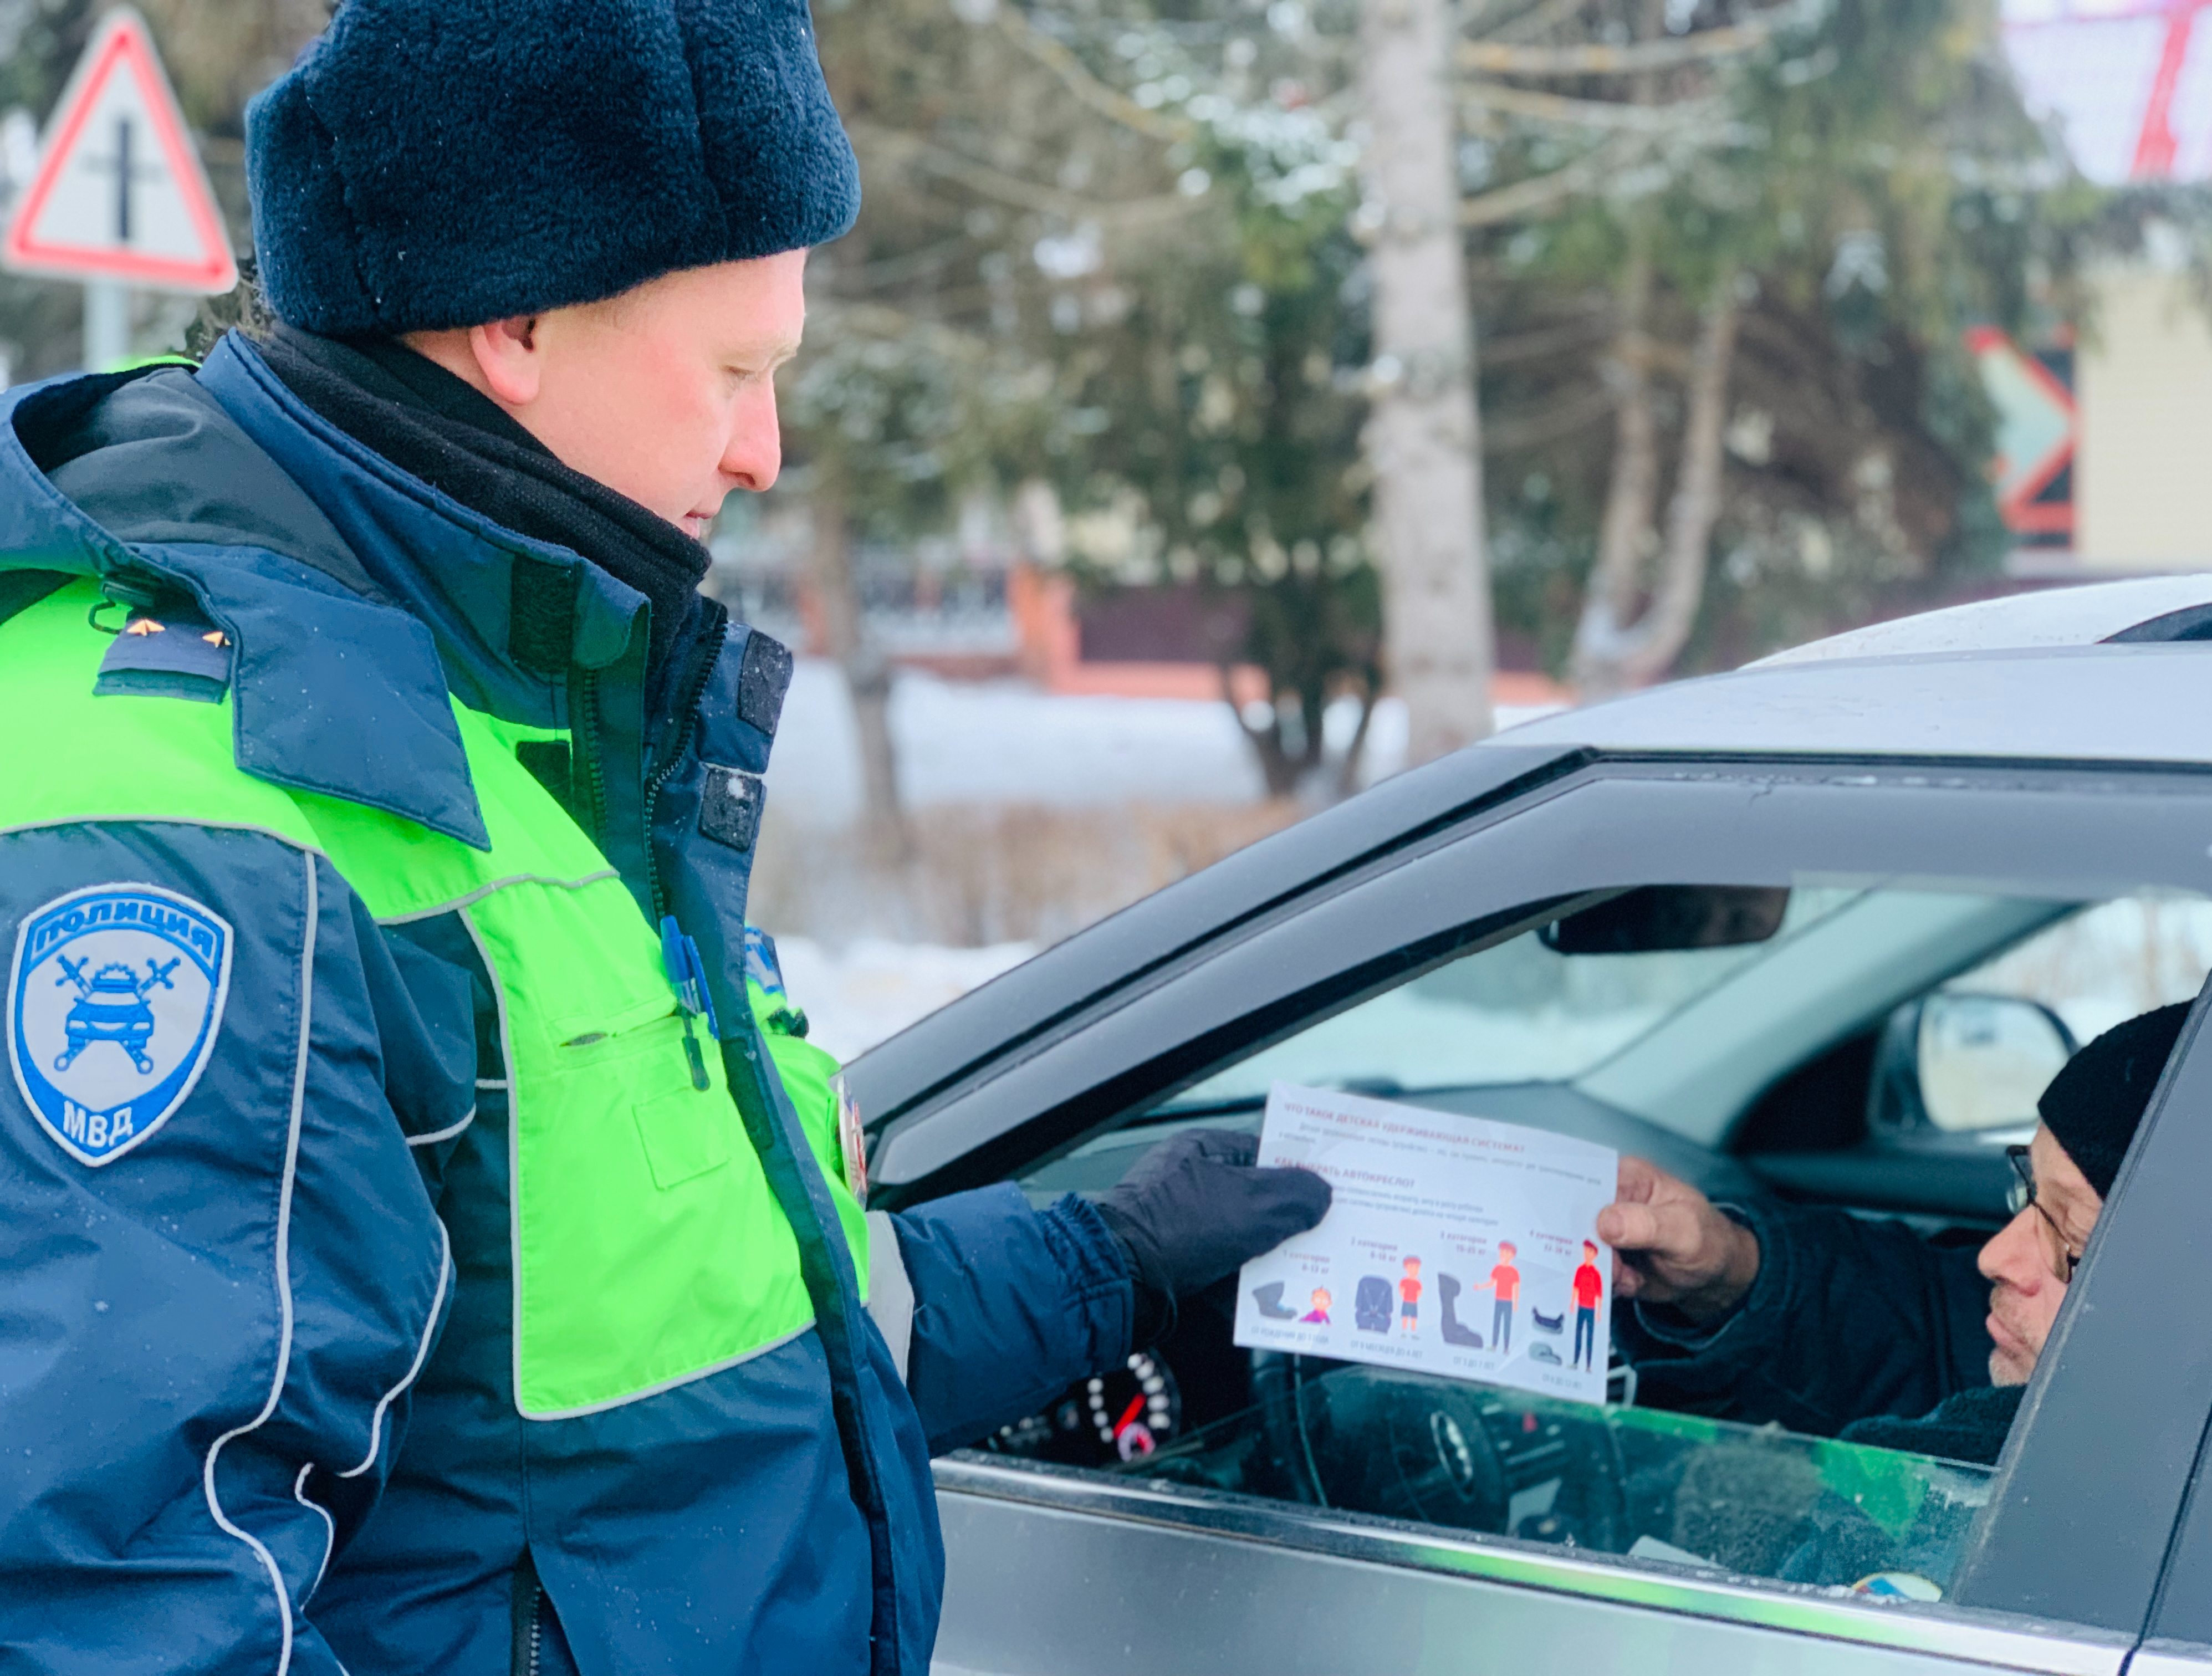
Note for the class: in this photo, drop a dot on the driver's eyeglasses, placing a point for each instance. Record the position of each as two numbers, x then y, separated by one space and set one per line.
2020 1196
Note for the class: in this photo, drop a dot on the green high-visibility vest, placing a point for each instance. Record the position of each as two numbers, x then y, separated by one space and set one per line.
649 1249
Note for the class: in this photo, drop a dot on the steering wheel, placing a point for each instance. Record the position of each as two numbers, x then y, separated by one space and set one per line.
1441 1451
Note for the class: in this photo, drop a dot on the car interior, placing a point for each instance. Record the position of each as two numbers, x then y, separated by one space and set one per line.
1870 1049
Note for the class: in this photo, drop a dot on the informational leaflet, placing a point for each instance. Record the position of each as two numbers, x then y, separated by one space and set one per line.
1454 1244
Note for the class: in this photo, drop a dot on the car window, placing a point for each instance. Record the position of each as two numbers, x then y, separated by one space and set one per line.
1990 1041
1649 1049
1674 1489
1519 1012
2105 963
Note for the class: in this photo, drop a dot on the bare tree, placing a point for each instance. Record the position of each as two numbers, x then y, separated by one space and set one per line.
1631 628
1641 600
1423 436
867 672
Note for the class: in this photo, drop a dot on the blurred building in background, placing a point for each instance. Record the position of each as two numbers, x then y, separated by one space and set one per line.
2106 429
985 610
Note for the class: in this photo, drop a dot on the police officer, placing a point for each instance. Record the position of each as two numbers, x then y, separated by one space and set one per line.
428 1244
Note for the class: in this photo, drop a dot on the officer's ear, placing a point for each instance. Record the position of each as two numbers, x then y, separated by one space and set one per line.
509 354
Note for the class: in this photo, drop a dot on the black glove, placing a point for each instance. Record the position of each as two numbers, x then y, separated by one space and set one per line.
1194 1209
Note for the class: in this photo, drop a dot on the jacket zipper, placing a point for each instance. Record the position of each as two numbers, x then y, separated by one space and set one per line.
709 650
686 973
595 783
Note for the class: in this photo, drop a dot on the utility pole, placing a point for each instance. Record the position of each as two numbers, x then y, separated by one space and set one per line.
1424 438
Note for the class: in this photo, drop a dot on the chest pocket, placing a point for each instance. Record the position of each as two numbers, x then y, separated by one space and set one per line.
649 1248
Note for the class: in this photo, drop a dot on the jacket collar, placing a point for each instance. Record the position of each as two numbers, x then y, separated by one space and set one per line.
334 692
469 580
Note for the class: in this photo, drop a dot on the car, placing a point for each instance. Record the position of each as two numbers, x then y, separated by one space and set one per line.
1817 930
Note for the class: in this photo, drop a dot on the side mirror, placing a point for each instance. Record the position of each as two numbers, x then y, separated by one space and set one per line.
1965 1065
1658 917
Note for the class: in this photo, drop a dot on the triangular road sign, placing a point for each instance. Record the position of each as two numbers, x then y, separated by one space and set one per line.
119 193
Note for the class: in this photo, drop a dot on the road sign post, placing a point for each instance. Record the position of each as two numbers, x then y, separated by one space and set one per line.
106 323
119 199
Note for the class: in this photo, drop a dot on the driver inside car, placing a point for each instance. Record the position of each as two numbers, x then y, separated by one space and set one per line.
1837 1326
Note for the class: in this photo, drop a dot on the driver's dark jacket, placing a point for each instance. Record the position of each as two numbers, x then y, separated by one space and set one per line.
1853 1328
775 1514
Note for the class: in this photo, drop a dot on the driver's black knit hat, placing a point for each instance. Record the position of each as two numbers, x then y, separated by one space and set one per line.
2095 1104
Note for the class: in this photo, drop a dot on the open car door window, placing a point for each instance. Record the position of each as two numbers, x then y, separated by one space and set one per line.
1897 886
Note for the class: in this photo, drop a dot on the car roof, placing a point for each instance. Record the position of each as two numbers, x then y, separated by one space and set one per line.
2107 672
2034 677
2083 615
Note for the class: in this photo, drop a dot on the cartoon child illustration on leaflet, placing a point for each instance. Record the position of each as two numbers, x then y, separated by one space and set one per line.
1589 1289
1409 1296
1505 1281
1318 1315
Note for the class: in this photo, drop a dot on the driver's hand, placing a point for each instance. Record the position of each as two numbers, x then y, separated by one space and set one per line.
1670 1245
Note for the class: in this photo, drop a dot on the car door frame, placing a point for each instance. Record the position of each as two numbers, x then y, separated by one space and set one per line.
1070 1081
1139 1037
1055 1570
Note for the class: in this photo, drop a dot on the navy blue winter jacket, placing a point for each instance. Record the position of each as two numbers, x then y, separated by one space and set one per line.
264 1284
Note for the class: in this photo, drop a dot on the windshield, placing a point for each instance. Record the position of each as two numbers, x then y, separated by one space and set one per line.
1671 1488
1517 1012
1615 1024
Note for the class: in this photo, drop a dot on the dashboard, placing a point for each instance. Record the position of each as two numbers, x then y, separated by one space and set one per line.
1124 1415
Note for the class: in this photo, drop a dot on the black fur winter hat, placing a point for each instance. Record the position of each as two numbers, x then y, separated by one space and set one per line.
433 163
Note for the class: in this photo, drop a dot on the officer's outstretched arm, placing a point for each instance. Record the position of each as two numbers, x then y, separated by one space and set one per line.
1007 1305
219 1265
1013 1304
990 1308
987 1307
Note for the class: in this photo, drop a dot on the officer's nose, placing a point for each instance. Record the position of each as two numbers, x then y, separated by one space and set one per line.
754 456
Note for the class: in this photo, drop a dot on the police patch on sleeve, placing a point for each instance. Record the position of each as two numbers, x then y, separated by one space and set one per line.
114 1002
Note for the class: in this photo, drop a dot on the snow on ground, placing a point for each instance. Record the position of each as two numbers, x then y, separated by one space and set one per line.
869 990
998 742
1005 741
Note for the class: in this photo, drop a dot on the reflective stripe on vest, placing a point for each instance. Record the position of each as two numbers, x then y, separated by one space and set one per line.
649 1248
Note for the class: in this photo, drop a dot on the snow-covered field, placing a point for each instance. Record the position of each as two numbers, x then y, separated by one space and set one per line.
859 995
1005 741
996 743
